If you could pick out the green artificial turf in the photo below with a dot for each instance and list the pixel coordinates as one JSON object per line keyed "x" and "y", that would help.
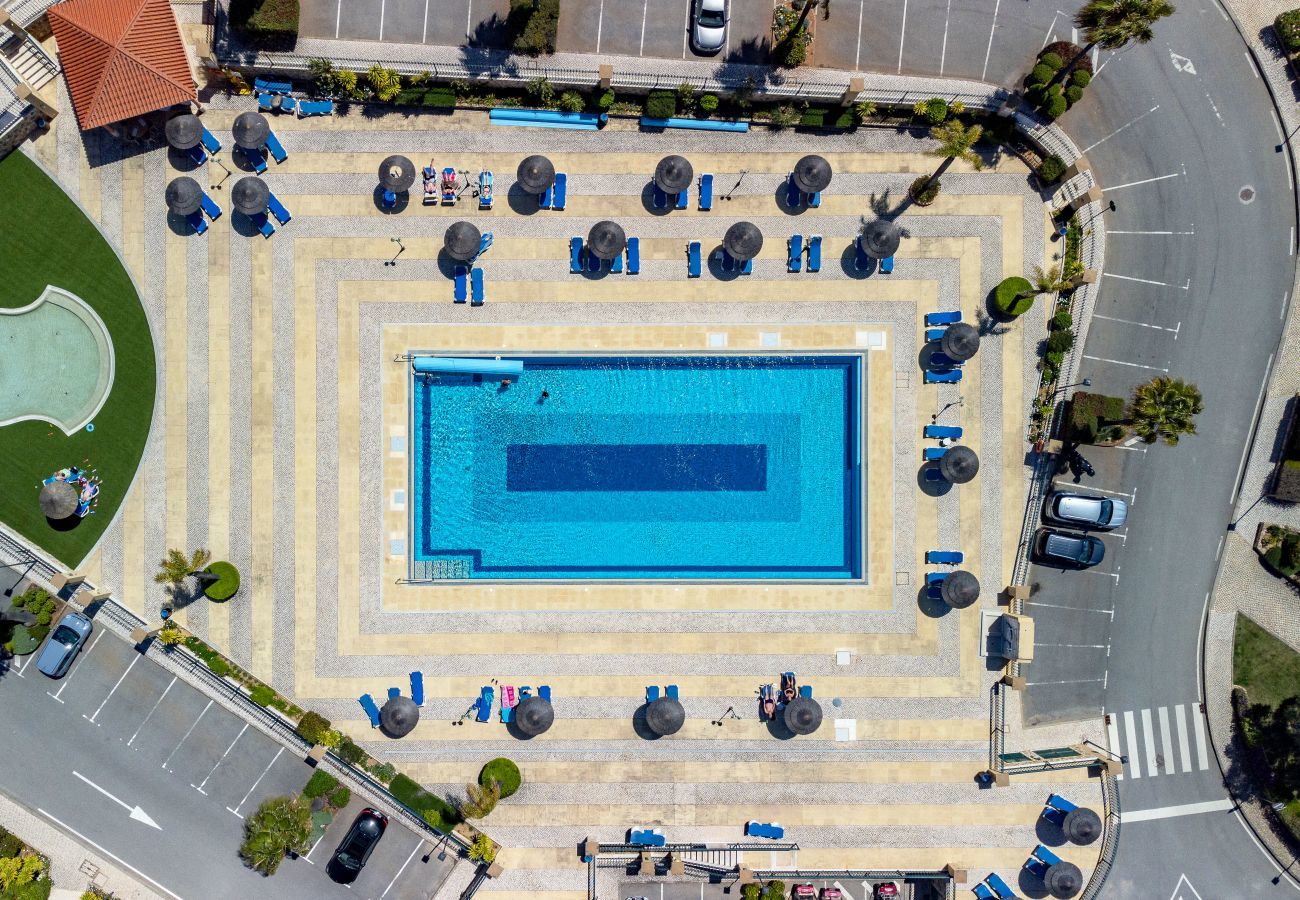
{"x": 45, "y": 239}
{"x": 1268, "y": 669}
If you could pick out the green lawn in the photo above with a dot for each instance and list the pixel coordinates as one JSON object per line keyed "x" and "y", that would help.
{"x": 45, "y": 239}
{"x": 1268, "y": 669}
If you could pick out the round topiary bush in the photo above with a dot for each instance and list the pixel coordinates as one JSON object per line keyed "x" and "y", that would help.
{"x": 1040, "y": 75}
{"x": 921, "y": 194}
{"x": 1056, "y": 104}
{"x": 1080, "y": 78}
{"x": 504, "y": 772}
{"x": 1051, "y": 169}
{"x": 708, "y": 103}
{"x": 227, "y": 583}
{"x": 1070, "y": 52}
{"x": 1073, "y": 94}
{"x": 1053, "y": 61}
{"x": 605, "y": 101}
{"x": 1013, "y": 296}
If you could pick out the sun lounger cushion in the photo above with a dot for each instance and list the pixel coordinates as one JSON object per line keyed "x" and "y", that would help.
{"x": 210, "y": 142}
{"x": 805, "y": 691}
{"x": 953, "y": 375}
{"x": 933, "y": 475}
{"x": 264, "y": 225}
{"x": 693, "y": 259}
{"x": 277, "y": 149}
{"x": 394, "y": 693}
{"x": 815, "y": 253}
{"x": 561, "y": 191}
{"x": 210, "y": 207}
{"x": 861, "y": 261}
{"x": 633, "y": 256}
{"x": 196, "y": 153}
{"x": 747, "y": 267}
{"x": 933, "y": 452}
{"x": 593, "y": 261}
{"x": 683, "y": 198}
{"x": 476, "y": 287}
{"x": 706, "y": 192}
{"x": 616, "y": 264}
{"x": 197, "y": 222}
{"x": 935, "y": 577}
{"x": 273, "y": 87}
{"x": 794, "y": 254}
{"x": 660, "y": 198}
{"x": 942, "y": 318}
{"x": 315, "y": 108}
{"x": 1046, "y": 855}
{"x": 546, "y": 197}
{"x": 934, "y": 334}
{"x": 652, "y": 693}
{"x": 792, "y": 193}
{"x": 389, "y": 199}
{"x": 417, "y": 688}
{"x": 984, "y": 893}
{"x": 1056, "y": 801}
{"x": 672, "y": 692}
{"x": 278, "y": 209}
{"x": 461, "y": 275}
{"x": 944, "y": 557}
{"x": 264, "y": 102}
{"x": 545, "y": 692}
{"x": 887, "y": 265}
{"x": 372, "y": 710}
{"x": 255, "y": 159}
{"x": 575, "y": 255}
{"x": 813, "y": 200}
{"x": 938, "y": 432}
{"x": 1004, "y": 892}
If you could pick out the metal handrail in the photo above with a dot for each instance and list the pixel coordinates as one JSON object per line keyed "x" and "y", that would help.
{"x": 1109, "y": 838}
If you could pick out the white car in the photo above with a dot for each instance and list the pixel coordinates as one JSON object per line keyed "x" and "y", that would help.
{"x": 709, "y": 25}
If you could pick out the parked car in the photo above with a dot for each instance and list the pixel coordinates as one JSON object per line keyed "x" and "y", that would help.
{"x": 62, "y": 647}
{"x": 708, "y": 25}
{"x": 886, "y": 890}
{"x": 1084, "y": 511}
{"x": 830, "y": 893}
{"x": 1065, "y": 548}
{"x": 803, "y": 892}
{"x": 367, "y": 828}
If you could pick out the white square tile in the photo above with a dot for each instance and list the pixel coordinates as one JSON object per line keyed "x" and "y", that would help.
{"x": 397, "y": 445}
{"x": 717, "y": 340}
{"x": 843, "y": 657}
{"x": 846, "y": 729}
{"x": 769, "y": 338}
{"x": 398, "y": 500}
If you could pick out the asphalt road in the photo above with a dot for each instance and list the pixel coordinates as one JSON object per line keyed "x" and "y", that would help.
{"x": 128, "y": 759}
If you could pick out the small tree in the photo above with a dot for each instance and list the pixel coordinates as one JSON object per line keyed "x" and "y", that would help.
{"x": 1113, "y": 24}
{"x": 177, "y": 567}
{"x": 482, "y": 849}
{"x": 1048, "y": 281}
{"x": 480, "y": 800}
{"x": 571, "y": 101}
{"x": 955, "y": 142}
{"x": 386, "y": 83}
{"x": 280, "y": 826}
{"x": 1164, "y": 409}
{"x": 751, "y": 891}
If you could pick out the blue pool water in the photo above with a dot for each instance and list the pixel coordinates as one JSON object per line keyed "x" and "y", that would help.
{"x": 647, "y": 467}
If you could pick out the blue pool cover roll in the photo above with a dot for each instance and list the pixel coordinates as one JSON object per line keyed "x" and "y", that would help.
{"x": 450, "y": 365}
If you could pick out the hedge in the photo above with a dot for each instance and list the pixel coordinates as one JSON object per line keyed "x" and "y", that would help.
{"x": 312, "y": 726}
{"x": 227, "y": 583}
{"x": 1090, "y": 413}
{"x": 661, "y": 105}
{"x": 1051, "y": 169}
{"x": 434, "y": 810}
{"x": 320, "y": 784}
{"x": 1013, "y": 296}
{"x": 1287, "y": 26}
{"x": 504, "y": 772}
{"x": 1056, "y": 104}
{"x": 433, "y": 98}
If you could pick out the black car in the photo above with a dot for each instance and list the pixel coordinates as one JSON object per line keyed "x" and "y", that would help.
{"x": 366, "y": 830}
{"x": 1068, "y": 549}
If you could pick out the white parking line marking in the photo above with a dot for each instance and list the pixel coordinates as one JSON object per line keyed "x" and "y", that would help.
{"x": 1184, "y": 745}
{"x": 1117, "y": 231}
{"x": 943, "y": 52}
{"x": 1139, "y": 280}
{"x": 313, "y": 848}
{"x": 117, "y": 859}
{"x": 1221, "y": 11}
{"x": 1120, "y": 362}
{"x": 1130, "y": 736}
{"x": 857, "y": 59}
{"x": 469, "y": 20}
{"x": 187, "y": 734}
{"x": 402, "y": 869}
{"x": 1198, "y": 727}
{"x": 1132, "y": 121}
{"x": 1173, "y": 331}
{"x": 1099, "y": 490}
{"x": 1047, "y": 37}
{"x": 256, "y": 783}
{"x": 424, "y": 35}
{"x": 1105, "y": 612}
{"x": 902, "y": 36}
{"x": 1149, "y": 741}
{"x": 686, "y": 31}
{"x": 1116, "y": 187}
{"x": 338, "y": 18}
{"x": 151, "y": 712}
{"x": 382, "y": 5}
{"x": 984, "y": 73}
{"x": 199, "y": 787}
{"x": 1250, "y": 60}
{"x": 68, "y": 677}
{"x": 1112, "y": 738}
{"x": 600, "y": 22}
{"x": 1166, "y": 740}
{"x": 96, "y": 713}
{"x": 18, "y": 669}
{"x": 645, "y": 8}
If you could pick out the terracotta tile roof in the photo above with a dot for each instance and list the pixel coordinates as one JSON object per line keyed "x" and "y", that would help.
{"x": 121, "y": 58}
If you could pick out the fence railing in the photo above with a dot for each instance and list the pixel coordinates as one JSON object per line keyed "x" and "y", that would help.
{"x": 1109, "y": 838}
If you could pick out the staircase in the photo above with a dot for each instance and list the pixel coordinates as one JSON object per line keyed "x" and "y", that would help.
{"x": 27, "y": 58}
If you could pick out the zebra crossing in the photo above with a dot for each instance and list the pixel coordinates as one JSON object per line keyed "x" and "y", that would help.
{"x": 1159, "y": 741}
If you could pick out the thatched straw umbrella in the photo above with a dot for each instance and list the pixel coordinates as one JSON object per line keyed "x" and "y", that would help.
{"x": 812, "y": 174}
{"x": 184, "y": 131}
{"x": 58, "y": 500}
{"x": 880, "y": 239}
{"x": 462, "y": 240}
{"x": 1063, "y": 880}
{"x": 183, "y": 195}
{"x": 1082, "y": 826}
{"x": 959, "y": 465}
{"x": 674, "y": 174}
{"x": 742, "y": 241}
{"x": 399, "y": 716}
{"x": 533, "y": 716}
{"x": 535, "y": 174}
{"x": 606, "y": 239}
{"x": 960, "y": 341}
{"x": 250, "y": 130}
{"x": 249, "y": 195}
{"x": 960, "y": 589}
{"x": 803, "y": 715}
{"x": 397, "y": 173}
{"x": 665, "y": 716}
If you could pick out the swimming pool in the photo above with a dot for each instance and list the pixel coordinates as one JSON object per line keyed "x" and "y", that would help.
{"x": 641, "y": 467}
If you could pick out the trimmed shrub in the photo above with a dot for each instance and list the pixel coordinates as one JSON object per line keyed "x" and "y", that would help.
{"x": 708, "y": 103}
{"x": 350, "y": 751}
{"x": 846, "y": 119}
{"x": 1061, "y": 321}
{"x": 503, "y": 772}
{"x": 606, "y": 100}
{"x": 922, "y": 195}
{"x": 1080, "y": 78}
{"x": 1053, "y": 61}
{"x": 1091, "y": 414}
{"x": 571, "y": 101}
{"x": 933, "y": 111}
{"x": 39, "y": 631}
{"x": 813, "y": 118}
{"x": 1056, "y": 104}
{"x": 1287, "y": 26}
{"x": 1060, "y": 341}
{"x": 319, "y": 784}
{"x": 1013, "y": 296}
{"x": 340, "y": 797}
{"x": 262, "y": 695}
{"x": 227, "y": 583}
{"x": 1073, "y": 94}
{"x": 1051, "y": 169}
{"x": 661, "y": 105}
{"x": 1041, "y": 74}
{"x": 434, "y": 810}
{"x": 532, "y": 24}
{"x": 312, "y": 726}
{"x": 10, "y": 846}
{"x": 24, "y": 641}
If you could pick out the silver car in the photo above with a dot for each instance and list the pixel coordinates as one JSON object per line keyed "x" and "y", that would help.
{"x": 1083, "y": 511}
{"x": 708, "y": 25}
{"x": 62, "y": 647}
{"x": 1065, "y": 549}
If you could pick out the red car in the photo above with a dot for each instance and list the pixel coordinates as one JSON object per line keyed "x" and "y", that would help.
{"x": 886, "y": 890}
{"x": 803, "y": 892}
{"x": 830, "y": 894}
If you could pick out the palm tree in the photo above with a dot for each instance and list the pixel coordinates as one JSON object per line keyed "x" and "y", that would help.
{"x": 1163, "y": 409}
{"x": 177, "y": 567}
{"x": 281, "y": 825}
{"x": 955, "y": 142}
{"x": 480, "y": 801}
{"x": 1046, "y": 281}
{"x": 809, "y": 6}
{"x": 1111, "y": 24}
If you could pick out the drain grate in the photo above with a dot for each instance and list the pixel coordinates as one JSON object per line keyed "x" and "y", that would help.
{"x": 1247, "y": 194}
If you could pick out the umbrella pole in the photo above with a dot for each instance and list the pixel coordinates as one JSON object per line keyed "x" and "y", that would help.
{"x": 743, "y": 173}
{"x": 957, "y": 402}
{"x": 401, "y": 248}
{"x": 218, "y": 185}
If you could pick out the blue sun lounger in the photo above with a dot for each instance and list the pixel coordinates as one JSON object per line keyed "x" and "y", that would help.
{"x": 941, "y": 432}
{"x": 561, "y": 192}
{"x": 1003, "y": 891}
{"x": 933, "y": 453}
{"x": 277, "y": 208}
{"x": 772, "y": 830}
{"x": 277, "y": 149}
{"x": 255, "y": 159}
{"x": 683, "y": 198}
{"x": 575, "y": 255}
{"x": 485, "y": 704}
{"x": 262, "y": 85}
{"x": 747, "y": 267}
{"x": 210, "y": 207}
{"x": 633, "y": 256}
{"x": 372, "y": 710}
{"x": 1056, "y": 801}
{"x": 288, "y": 104}
{"x": 660, "y": 200}
{"x": 263, "y": 224}
{"x": 461, "y": 275}
{"x": 417, "y": 688}
{"x": 545, "y": 692}
{"x": 794, "y": 253}
{"x": 933, "y": 475}
{"x": 507, "y": 712}
{"x": 593, "y": 262}
{"x": 813, "y": 200}
{"x": 646, "y": 837}
{"x": 944, "y": 557}
{"x": 210, "y": 142}
{"x": 887, "y": 265}
{"x": 394, "y": 693}
{"x": 861, "y": 261}
{"x": 546, "y": 198}
{"x": 389, "y": 200}
{"x": 308, "y": 108}
{"x": 616, "y": 264}
{"x": 943, "y": 361}
{"x": 652, "y": 693}
{"x": 476, "y": 287}
{"x": 706, "y": 192}
{"x": 196, "y": 153}
{"x": 934, "y": 334}
{"x": 792, "y": 193}
{"x": 264, "y": 102}
{"x": 805, "y": 691}
{"x": 197, "y": 222}
{"x": 672, "y": 692}
{"x": 693, "y": 259}
{"x": 943, "y": 318}
{"x": 815, "y": 253}
{"x": 950, "y": 377}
